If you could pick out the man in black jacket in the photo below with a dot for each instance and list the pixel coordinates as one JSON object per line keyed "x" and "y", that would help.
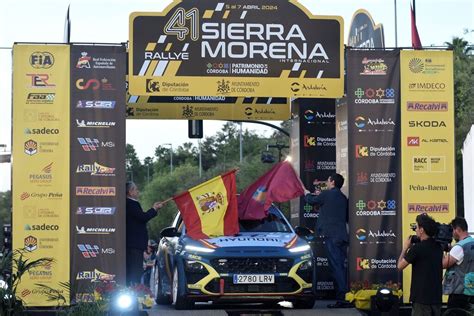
{"x": 331, "y": 224}
{"x": 136, "y": 232}
{"x": 425, "y": 257}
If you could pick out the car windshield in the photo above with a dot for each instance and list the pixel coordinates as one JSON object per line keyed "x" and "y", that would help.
{"x": 272, "y": 223}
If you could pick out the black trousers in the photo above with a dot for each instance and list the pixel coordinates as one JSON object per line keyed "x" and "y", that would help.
{"x": 460, "y": 301}
{"x": 134, "y": 265}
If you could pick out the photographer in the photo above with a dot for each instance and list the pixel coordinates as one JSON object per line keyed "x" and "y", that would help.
{"x": 425, "y": 257}
{"x": 459, "y": 263}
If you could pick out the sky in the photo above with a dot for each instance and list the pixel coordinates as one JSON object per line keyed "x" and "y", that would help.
{"x": 106, "y": 21}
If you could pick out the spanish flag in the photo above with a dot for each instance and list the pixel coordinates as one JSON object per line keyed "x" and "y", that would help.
{"x": 210, "y": 209}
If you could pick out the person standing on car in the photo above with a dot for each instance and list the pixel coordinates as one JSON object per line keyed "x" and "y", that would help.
{"x": 459, "y": 263}
{"x": 136, "y": 232}
{"x": 425, "y": 257}
{"x": 331, "y": 224}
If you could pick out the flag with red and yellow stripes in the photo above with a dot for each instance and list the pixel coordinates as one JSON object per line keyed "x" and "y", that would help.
{"x": 210, "y": 209}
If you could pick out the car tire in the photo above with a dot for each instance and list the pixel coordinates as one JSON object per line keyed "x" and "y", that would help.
{"x": 178, "y": 291}
{"x": 160, "y": 298}
{"x": 304, "y": 304}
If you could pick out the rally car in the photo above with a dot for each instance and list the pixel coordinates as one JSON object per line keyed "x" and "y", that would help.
{"x": 266, "y": 262}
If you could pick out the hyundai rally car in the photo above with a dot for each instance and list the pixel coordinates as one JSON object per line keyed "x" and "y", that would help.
{"x": 266, "y": 262}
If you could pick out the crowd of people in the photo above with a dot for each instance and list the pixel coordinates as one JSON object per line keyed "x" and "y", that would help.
{"x": 426, "y": 256}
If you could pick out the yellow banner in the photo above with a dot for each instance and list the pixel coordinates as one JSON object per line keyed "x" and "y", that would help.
{"x": 208, "y": 108}
{"x": 41, "y": 166}
{"x": 427, "y": 111}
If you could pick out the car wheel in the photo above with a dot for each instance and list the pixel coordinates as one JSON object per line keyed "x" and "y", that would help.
{"x": 160, "y": 298}
{"x": 178, "y": 291}
{"x": 304, "y": 304}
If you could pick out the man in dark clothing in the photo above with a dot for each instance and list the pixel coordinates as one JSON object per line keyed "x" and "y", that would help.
{"x": 425, "y": 257}
{"x": 136, "y": 233}
{"x": 331, "y": 224}
{"x": 459, "y": 265}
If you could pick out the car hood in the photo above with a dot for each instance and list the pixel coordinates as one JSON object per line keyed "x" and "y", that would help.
{"x": 253, "y": 240}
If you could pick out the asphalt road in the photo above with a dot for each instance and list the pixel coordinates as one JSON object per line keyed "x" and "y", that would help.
{"x": 254, "y": 309}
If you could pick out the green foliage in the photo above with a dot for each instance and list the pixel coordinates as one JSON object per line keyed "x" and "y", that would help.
{"x": 464, "y": 104}
{"x": 5, "y": 211}
{"x": 14, "y": 265}
{"x": 165, "y": 186}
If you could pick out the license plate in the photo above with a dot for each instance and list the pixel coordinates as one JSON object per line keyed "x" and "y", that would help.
{"x": 254, "y": 278}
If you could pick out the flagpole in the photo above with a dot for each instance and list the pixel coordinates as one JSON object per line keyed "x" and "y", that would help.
{"x": 396, "y": 28}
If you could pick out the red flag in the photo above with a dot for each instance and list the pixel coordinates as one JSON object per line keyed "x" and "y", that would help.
{"x": 279, "y": 184}
{"x": 415, "y": 38}
{"x": 210, "y": 209}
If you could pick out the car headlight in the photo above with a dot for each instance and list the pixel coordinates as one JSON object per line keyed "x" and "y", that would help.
{"x": 198, "y": 249}
{"x": 300, "y": 248}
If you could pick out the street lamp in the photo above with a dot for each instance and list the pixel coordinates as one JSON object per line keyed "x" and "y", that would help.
{"x": 171, "y": 156}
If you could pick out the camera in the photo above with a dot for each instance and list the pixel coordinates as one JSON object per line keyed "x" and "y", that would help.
{"x": 443, "y": 236}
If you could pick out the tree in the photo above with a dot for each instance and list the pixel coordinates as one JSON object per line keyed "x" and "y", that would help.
{"x": 463, "y": 105}
{"x": 133, "y": 166}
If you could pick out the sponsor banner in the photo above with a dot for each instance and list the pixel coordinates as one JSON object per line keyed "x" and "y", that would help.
{"x": 97, "y": 142}
{"x": 373, "y": 126}
{"x": 40, "y": 172}
{"x": 364, "y": 33}
{"x": 427, "y": 133}
{"x": 208, "y": 108}
{"x": 342, "y": 159}
{"x": 199, "y": 48}
{"x": 317, "y": 152}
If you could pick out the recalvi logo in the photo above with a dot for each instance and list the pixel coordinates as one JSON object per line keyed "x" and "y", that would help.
{"x": 420, "y": 106}
{"x": 428, "y": 207}
{"x": 95, "y": 191}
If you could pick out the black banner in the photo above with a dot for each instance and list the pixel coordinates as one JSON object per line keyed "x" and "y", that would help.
{"x": 373, "y": 98}
{"x": 236, "y": 49}
{"x": 317, "y": 162}
{"x": 97, "y": 169}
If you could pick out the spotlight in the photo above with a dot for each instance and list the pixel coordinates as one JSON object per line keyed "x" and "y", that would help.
{"x": 385, "y": 302}
{"x": 123, "y": 302}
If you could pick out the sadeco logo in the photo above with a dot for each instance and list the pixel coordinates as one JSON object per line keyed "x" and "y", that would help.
{"x": 41, "y": 60}
{"x": 42, "y": 131}
{"x": 41, "y": 227}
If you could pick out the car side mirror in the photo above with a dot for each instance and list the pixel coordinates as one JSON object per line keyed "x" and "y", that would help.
{"x": 169, "y": 232}
{"x": 304, "y": 232}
